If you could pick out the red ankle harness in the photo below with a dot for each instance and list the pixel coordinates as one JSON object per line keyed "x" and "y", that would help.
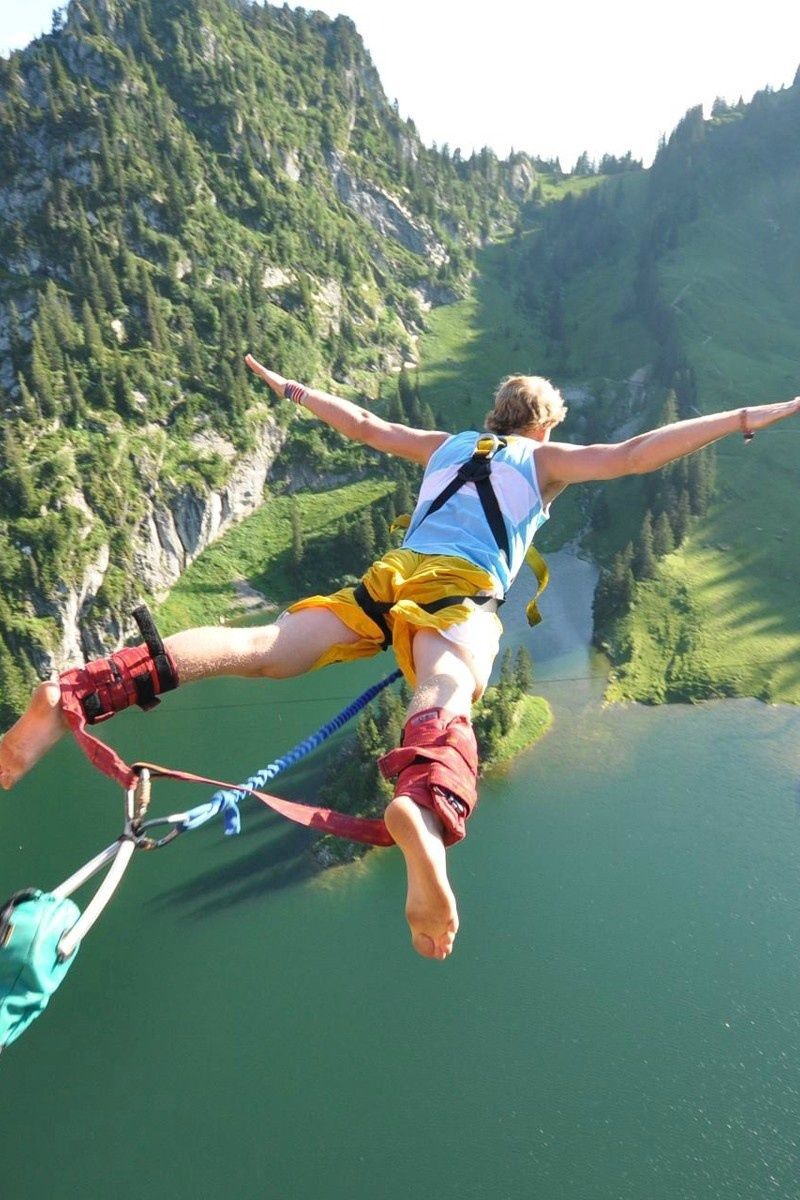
{"x": 133, "y": 675}
{"x": 437, "y": 767}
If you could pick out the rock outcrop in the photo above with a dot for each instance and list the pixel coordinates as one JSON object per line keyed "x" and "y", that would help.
{"x": 387, "y": 215}
{"x": 169, "y": 537}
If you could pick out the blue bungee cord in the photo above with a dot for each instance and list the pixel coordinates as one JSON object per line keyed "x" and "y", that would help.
{"x": 227, "y": 801}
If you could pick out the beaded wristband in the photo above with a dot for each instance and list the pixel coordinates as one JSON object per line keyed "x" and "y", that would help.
{"x": 747, "y": 432}
{"x": 295, "y": 391}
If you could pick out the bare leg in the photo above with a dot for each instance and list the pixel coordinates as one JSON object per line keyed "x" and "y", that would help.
{"x": 288, "y": 647}
{"x": 446, "y": 680}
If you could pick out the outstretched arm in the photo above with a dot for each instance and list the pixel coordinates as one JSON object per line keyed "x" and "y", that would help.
{"x": 353, "y": 421}
{"x": 559, "y": 464}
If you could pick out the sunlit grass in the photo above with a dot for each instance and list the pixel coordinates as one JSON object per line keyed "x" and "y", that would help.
{"x": 258, "y": 552}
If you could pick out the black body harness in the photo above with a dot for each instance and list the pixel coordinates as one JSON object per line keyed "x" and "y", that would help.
{"x": 477, "y": 470}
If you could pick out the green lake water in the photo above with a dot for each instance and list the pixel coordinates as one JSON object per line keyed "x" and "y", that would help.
{"x": 621, "y": 1017}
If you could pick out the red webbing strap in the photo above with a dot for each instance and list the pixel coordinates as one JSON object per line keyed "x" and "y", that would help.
{"x": 99, "y": 754}
{"x": 370, "y": 830}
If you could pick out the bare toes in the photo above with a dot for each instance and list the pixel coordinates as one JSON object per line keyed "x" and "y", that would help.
{"x": 424, "y": 945}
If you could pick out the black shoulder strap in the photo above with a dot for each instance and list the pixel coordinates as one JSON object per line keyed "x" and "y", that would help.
{"x": 478, "y": 470}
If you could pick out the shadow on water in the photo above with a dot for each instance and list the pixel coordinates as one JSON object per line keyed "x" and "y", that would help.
{"x": 281, "y": 863}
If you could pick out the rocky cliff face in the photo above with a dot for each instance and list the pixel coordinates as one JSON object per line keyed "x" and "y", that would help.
{"x": 169, "y": 537}
{"x": 387, "y": 215}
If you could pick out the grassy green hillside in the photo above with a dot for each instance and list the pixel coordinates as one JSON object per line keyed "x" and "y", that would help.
{"x": 723, "y": 617}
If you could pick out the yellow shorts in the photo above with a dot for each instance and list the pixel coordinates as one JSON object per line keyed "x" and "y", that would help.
{"x": 407, "y": 580}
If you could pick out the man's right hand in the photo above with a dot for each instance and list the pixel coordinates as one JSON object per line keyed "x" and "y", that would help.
{"x": 275, "y": 381}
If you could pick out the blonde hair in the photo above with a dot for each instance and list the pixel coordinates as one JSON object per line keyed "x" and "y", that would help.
{"x": 523, "y": 400}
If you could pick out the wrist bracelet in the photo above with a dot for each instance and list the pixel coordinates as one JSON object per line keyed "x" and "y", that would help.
{"x": 295, "y": 391}
{"x": 747, "y": 432}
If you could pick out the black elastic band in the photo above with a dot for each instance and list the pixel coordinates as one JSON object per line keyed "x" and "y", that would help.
{"x": 167, "y": 679}
{"x": 145, "y": 691}
{"x": 92, "y": 707}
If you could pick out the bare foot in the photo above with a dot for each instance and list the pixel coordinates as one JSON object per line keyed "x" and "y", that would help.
{"x": 430, "y": 905}
{"x": 39, "y": 728}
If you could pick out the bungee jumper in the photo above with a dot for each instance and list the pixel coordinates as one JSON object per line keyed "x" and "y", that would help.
{"x": 435, "y": 600}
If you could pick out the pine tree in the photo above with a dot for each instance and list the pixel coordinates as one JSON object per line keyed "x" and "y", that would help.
{"x": 402, "y": 497}
{"x": 504, "y": 710}
{"x": 30, "y": 409}
{"x": 88, "y": 286}
{"x": 405, "y": 389}
{"x": 42, "y": 380}
{"x": 623, "y": 579}
{"x": 669, "y": 412}
{"x": 663, "y": 538}
{"x": 298, "y": 541}
{"x": 383, "y": 541}
{"x": 427, "y": 419}
{"x": 415, "y": 416}
{"x": 15, "y": 343}
{"x": 107, "y": 281}
{"x": 602, "y": 604}
{"x": 17, "y": 489}
{"x": 644, "y": 562}
{"x": 507, "y": 682}
{"x": 46, "y": 343}
{"x": 396, "y": 413}
{"x": 700, "y": 482}
{"x": 364, "y": 538}
{"x": 75, "y": 396}
{"x": 128, "y": 269}
{"x": 155, "y": 322}
{"x": 679, "y": 519}
{"x": 389, "y": 510}
{"x": 92, "y": 337}
{"x": 523, "y": 671}
{"x": 192, "y": 363}
{"x": 123, "y": 398}
{"x": 370, "y": 742}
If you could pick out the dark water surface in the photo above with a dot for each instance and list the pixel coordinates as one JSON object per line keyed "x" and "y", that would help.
{"x": 621, "y": 1018}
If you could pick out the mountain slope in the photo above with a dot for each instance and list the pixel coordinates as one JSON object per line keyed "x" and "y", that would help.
{"x": 696, "y": 276}
{"x": 181, "y": 181}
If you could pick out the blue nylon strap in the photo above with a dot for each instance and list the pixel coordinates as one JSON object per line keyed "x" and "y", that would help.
{"x": 227, "y": 801}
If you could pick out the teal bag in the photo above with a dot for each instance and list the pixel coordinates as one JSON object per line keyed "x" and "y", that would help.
{"x": 32, "y": 924}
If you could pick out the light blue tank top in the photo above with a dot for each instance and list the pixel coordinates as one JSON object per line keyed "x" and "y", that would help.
{"x": 459, "y": 527}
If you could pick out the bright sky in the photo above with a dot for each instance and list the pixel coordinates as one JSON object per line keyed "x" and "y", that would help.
{"x": 553, "y": 79}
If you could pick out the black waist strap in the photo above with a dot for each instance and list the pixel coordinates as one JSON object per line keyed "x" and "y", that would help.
{"x": 376, "y": 609}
